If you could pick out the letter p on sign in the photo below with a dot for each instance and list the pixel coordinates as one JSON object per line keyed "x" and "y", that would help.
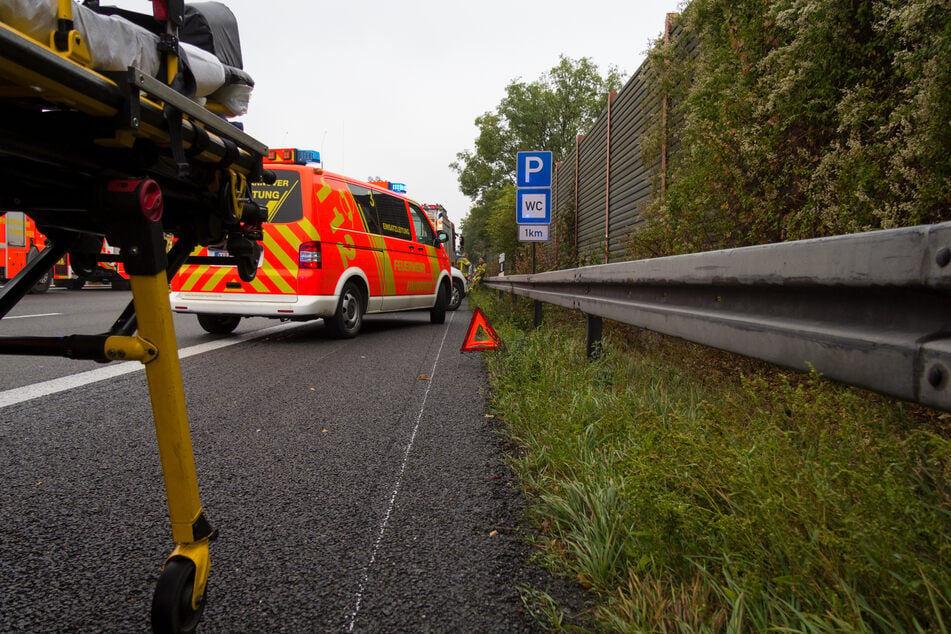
{"x": 533, "y": 165}
{"x": 533, "y": 169}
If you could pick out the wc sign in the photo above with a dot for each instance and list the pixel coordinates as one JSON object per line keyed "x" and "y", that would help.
{"x": 534, "y": 206}
{"x": 533, "y": 196}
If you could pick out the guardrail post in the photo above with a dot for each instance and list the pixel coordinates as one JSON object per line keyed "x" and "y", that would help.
{"x": 537, "y": 320}
{"x": 594, "y": 337}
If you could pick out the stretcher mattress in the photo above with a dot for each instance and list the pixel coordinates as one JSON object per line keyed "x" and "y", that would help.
{"x": 116, "y": 43}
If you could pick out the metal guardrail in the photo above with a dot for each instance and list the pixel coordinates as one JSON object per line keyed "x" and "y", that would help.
{"x": 871, "y": 310}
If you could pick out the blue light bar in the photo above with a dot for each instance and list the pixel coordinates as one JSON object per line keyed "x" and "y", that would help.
{"x": 399, "y": 188}
{"x": 308, "y": 156}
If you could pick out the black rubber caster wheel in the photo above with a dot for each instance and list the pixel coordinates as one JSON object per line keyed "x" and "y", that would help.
{"x": 172, "y": 610}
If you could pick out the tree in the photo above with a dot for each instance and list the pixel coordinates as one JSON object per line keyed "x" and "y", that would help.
{"x": 546, "y": 114}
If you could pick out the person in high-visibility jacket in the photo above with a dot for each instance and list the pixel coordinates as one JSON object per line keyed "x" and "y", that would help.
{"x": 478, "y": 273}
{"x": 464, "y": 265}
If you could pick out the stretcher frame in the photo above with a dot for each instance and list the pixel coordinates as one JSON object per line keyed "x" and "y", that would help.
{"x": 125, "y": 156}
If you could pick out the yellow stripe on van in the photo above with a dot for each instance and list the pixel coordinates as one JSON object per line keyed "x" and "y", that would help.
{"x": 347, "y": 253}
{"x": 192, "y": 278}
{"x": 389, "y": 279}
{"x": 434, "y": 264}
{"x": 324, "y": 191}
{"x": 309, "y": 229}
{"x": 214, "y": 283}
{"x": 190, "y": 274}
{"x": 281, "y": 283}
{"x": 283, "y": 256}
{"x": 258, "y": 284}
{"x": 275, "y": 275}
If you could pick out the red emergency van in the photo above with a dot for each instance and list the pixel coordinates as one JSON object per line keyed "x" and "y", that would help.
{"x": 20, "y": 242}
{"x": 334, "y": 248}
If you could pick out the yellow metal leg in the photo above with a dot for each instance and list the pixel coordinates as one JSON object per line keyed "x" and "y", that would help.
{"x": 189, "y": 530}
{"x": 150, "y": 295}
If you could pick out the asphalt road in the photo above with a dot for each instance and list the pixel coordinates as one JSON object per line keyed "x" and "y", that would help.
{"x": 357, "y": 485}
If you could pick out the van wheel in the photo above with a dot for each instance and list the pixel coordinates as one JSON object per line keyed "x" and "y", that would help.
{"x": 347, "y": 320}
{"x": 455, "y": 298}
{"x": 43, "y": 284}
{"x": 438, "y": 313}
{"x": 218, "y": 324}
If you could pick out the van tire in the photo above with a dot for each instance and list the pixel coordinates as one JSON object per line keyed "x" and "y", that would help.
{"x": 348, "y": 318}
{"x": 438, "y": 313}
{"x": 218, "y": 324}
{"x": 43, "y": 284}
{"x": 455, "y": 298}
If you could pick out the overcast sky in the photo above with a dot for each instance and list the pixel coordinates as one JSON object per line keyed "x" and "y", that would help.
{"x": 392, "y": 89}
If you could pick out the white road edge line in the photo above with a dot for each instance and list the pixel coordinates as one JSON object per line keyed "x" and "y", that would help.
{"x": 53, "y": 386}
{"x": 399, "y": 482}
{"x": 31, "y": 316}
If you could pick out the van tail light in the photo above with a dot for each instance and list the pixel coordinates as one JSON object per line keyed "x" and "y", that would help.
{"x": 309, "y": 256}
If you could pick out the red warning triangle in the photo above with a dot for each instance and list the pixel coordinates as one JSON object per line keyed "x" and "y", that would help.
{"x": 480, "y": 335}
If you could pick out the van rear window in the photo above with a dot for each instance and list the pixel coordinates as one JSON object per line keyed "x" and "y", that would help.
{"x": 282, "y": 197}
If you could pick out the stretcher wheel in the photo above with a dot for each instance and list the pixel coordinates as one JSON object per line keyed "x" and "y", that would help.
{"x": 172, "y": 610}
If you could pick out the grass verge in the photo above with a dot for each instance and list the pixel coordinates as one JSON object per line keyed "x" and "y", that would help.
{"x": 695, "y": 491}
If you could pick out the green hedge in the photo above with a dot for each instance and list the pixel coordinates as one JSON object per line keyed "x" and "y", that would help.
{"x": 795, "y": 119}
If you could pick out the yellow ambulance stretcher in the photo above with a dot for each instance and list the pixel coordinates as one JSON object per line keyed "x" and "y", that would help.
{"x": 112, "y": 124}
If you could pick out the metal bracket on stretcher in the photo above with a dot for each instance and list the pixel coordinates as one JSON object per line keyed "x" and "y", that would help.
{"x": 125, "y": 156}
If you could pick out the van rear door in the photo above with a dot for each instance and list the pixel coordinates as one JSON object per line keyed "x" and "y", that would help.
{"x": 276, "y": 278}
{"x": 287, "y": 227}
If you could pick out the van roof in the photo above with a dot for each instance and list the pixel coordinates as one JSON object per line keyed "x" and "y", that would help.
{"x": 348, "y": 179}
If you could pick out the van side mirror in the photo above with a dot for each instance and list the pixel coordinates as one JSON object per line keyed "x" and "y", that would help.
{"x": 442, "y": 236}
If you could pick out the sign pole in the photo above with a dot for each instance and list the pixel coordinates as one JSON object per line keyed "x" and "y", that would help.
{"x": 536, "y": 305}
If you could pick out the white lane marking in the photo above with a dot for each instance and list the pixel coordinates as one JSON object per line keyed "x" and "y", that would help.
{"x": 399, "y": 482}
{"x": 31, "y": 316}
{"x": 53, "y": 386}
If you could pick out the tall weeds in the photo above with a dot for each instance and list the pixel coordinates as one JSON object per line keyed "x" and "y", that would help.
{"x": 727, "y": 502}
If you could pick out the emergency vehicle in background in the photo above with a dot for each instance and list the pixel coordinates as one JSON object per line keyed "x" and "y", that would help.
{"x": 334, "y": 248}
{"x": 460, "y": 285}
{"x": 399, "y": 188}
{"x": 440, "y": 219}
{"x": 74, "y": 271}
{"x": 20, "y": 242}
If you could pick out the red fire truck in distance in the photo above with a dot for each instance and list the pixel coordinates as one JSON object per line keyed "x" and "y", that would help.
{"x": 20, "y": 242}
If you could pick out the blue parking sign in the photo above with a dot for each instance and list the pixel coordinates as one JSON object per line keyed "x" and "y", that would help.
{"x": 533, "y": 169}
